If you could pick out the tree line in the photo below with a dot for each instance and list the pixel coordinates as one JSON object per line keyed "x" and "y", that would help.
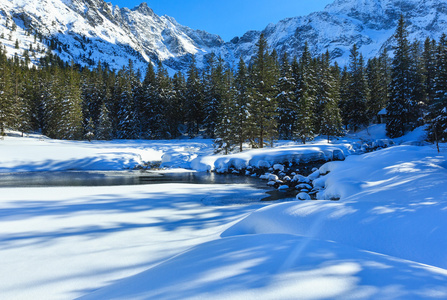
{"x": 270, "y": 98}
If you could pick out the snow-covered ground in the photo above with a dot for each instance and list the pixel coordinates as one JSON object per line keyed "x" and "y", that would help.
{"x": 384, "y": 239}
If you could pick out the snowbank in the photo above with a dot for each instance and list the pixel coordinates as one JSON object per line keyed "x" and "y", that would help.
{"x": 37, "y": 153}
{"x": 269, "y": 157}
{"x": 392, "y": 202}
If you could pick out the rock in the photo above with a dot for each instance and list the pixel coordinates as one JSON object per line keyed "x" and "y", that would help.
{"x": 271, "y": 183}
{"x": 303, "y": 196}
{"x": 273, "y": 177}
{"x": 287, "y": 178}
{"x": 303, "y": 186}
{"x": 283, "y": 187}
{"x": 300, "y": 179}
{"x": 278, "y": 167}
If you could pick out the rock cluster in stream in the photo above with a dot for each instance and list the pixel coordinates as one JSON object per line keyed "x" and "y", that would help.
{"x": 297, "y": 179}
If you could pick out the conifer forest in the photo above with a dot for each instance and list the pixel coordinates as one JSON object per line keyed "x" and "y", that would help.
{"x": 271, "y": 97}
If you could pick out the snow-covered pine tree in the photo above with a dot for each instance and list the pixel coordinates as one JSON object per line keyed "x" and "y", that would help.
{"x": 265, "y": 76}
{"x": 429, "y": 69}
{"x": 212, "y": 89}
{"x": 104, "y": 125}
{"x": 126, "y": 114}
{"x": 147, "y": 99}
{"x": 177, "y": 112}
{"x": 194, "y": 100}
{"x": 358, "y": 92}
{"x": 227, "y": 126}
{"x": 242, "y": 104}
{"x": 159, "y": 123}
{"x": 305, "y": 96}
{"x": 7, "y": 113}
{"x": 398, "y": 108}
{"x": 438, "y": 108}
{"x": 327, "y": 96}
{"x": 72, "y": 122}
{"x": 287, "y": 104}
{"x": 418, "y": 94}
{"x": 378, "y": 85}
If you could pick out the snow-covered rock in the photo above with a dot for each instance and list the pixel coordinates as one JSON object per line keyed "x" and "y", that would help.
{"x": 278, "y": 167}
{"x": 303, "y": 196}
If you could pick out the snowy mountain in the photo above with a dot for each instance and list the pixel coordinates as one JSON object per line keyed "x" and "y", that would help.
{"x": 87, "y": 31}
{"x": 368, "y": 23}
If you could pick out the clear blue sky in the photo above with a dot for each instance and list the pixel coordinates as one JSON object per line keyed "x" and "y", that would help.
{"x": 228, "y": 18}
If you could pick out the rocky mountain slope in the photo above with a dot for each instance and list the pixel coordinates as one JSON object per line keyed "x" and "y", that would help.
{"x": 87, "y": 31}
{"x": 90, "y": 30}
{"x": 368, "y": 23}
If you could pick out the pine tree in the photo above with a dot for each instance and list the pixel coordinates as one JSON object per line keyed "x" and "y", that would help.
{"x": 287, "y": 104}
{"x": 358, "y": 92}
{"x": 126, "y": 127}
{"x": 242, "y": 105}
{"x": 430, "y": 68}
{"x": 438, "y": 107}
{"x": 305, "y": 95}
{"x": 159, "y": 123}
{"x": 327, "y": 96}
{"x": 265, "y": 77}
{"x": 72, "y": 127}
{"x": 7, "y": 113}
{"x": 104, "y": 127}
{"x": 178, "y": 107}
{"x": 194, "y": 100}
{"x": 147, "y": 99}
{"x": 378, "y": 85}
{"x": 399, "y": 106}
{"x": 226, "y": 127}
{"x": 213, "y": 82}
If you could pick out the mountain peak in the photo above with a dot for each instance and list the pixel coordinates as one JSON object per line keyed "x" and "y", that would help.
{"x": 144, "y": 9}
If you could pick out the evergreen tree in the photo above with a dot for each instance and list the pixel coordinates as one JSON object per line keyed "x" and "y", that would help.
{"x": 213, "y": 86}
{"x": 305, "y": 95}
{"x": 287, "y": 104}
{"x": 126, "y": 127}
{"x": 7, "y": 113}
{"x": 399, "y": 105}
{"x": 148, "y": 101}
{"x": 194, "y": 100}
{"x": 159, "y": 123}
{"x": 242, "y": 104}
{"x": 104, "y": 127}
{"x": 378, "y": 85}
{"x": 430, "y": 68}
{"x": 327, "y": 96}
{"x": 358, "y": 92}
{"x": 177, "y": 112}
{"x": 226, "y": 127}
{"x": 265, "y": 77}
{"x": 438, "y": 107}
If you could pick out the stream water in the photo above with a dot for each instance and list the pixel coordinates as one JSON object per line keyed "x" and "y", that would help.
{"x": 113, "y": 178}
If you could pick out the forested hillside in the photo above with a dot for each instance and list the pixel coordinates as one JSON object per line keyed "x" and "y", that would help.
{"x": 270, "y": 98}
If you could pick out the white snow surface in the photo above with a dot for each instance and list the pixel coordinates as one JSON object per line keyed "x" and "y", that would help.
{"x": 384, "y": 239}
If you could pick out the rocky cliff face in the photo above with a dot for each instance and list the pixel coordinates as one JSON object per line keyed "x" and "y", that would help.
{"x": 87, "y": 31}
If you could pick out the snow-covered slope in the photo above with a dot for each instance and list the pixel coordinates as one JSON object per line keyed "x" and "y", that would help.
{"x": 368, "y": 23}
{"x": 87, "y": 31}
{"x": 91, "y": 30}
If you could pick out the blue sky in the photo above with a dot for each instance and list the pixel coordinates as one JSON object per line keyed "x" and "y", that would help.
{"x": 229, "y": 18}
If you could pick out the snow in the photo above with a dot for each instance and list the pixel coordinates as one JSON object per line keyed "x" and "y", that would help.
{"x": 383, "y": 239}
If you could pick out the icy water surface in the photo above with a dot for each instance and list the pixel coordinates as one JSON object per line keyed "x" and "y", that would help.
{"x": 108, "y": 178}
{"x": 112, "y": 178}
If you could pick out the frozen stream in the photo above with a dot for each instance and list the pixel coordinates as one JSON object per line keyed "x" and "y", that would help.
{"x": 116, "y": 178}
